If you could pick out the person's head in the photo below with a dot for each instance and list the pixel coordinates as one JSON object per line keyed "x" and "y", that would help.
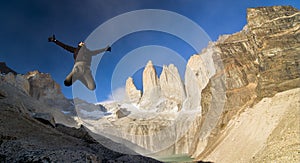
{"x": 81, "y": 44}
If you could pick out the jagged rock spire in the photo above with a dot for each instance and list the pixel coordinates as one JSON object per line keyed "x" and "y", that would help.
{"x": 133, "y": 94}
{"x": 164, "y": 93}
{"x": 150, "y": 79}
{"x": 171, "y": 84}
{"x": 151, "y": 87}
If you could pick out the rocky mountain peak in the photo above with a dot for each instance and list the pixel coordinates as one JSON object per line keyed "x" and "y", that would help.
{"x": 39, "y": 86}
{"x": 151, "y": 87}
{"x": 42, "y": 85}
{"x": 164, "y": 93}
{"x": 150, "y": 79}
{"x": 133, "y": 94}
{"x": 171, "y": 84}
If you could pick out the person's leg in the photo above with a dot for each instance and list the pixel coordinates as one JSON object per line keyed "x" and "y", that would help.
{"x": 70, "y": 79}
{"x": 88, "y": 80}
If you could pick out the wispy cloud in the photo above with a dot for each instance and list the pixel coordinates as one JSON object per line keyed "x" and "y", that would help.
{"x": 118, "y": 94}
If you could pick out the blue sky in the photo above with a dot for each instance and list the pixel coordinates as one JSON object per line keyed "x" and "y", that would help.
{"x": 26, "y": 25}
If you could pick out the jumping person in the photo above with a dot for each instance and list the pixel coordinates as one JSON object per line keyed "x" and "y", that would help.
{"x": 83, "y": 58}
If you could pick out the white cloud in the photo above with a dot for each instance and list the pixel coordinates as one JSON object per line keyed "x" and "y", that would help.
{"x": 118, "y": 94}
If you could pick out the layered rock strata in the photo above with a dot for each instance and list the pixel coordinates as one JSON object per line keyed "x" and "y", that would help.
{"x": 260, "y": 61}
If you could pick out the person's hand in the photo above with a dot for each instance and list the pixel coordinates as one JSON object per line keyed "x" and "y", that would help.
{"x": 108, "y": 48}
{"x": 51, "y": 38}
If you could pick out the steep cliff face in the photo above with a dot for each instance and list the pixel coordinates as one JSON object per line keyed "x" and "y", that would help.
{"x": 275, "y": 31}
{"x": 253, "y": 64}
{"x": 151, "y": 87}
{"x": 171, "y": 85}
{"x": 260, "y": 61}
{"x": 196, "y": 78}
{"x": 263, "y": 57}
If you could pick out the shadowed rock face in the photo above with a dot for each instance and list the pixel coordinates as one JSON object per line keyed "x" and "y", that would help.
{"x": 5, "y": 70}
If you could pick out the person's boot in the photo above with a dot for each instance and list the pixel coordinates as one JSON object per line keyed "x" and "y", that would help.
{"x": 108, "y": 49}
{"x": 68, "y": 82}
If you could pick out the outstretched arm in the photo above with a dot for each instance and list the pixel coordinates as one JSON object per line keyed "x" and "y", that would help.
{"x": 95, "y": 52}
{"x": 66, "y": 47}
